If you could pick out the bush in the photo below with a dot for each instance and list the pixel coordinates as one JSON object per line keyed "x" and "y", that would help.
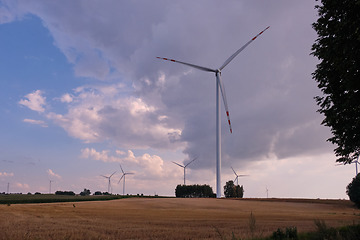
{"x": 86, "y": 192}
{"x": 233, "y": 191}
{"x": 290, "y": 233}
{"x": 353, "y": 190}
{"x": 194, "y": 191}
{"x": 67, "y": 193}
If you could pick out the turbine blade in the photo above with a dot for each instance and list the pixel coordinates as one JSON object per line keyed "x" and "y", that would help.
{"x": 240, "y": 50}
{"x": 222, "y": 88}
{"x": 236, "y": 178}
{"x": 104, "y": 176}
{"x": 121, "y": 178}
{"x": 178, "y": 164}
{"x": 112, "y": 174}
{"x": 121, "y": 168}
{"x": 191, "y": 161}
{"x": 189, "y": 64}
{"x": 234, "y": 171}
{"x": 129, "y": 173}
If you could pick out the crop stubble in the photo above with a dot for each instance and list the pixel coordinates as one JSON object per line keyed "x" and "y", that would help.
{"x": 169, "y": 218}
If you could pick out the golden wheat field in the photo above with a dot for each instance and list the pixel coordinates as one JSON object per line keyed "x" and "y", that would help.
{"x": 169, "y": 218}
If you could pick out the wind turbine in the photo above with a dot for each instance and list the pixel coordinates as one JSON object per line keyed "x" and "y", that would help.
{"x": 219, "y": 87}
{"x": 184, "y": 166}
{"x": 267, "y": 192}
{"x": 237, "y": 176}
{"x": 356, "y": 164}
{"x": 123, "y": 176}
{"x": 109, "y": 179}
{"x": 50, "y": 186}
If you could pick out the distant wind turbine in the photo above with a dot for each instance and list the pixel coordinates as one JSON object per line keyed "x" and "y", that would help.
{"x": 356, "y": 164}
{"x": 237, "y": 176}
{"x": 123, "y": 176}
{"x": 184, "y": 166}
{"x": 109, "y": 180}
{"x": 219, "y": 88}
{"x": 50, "y": 186}
{"x": 267, "y": 192}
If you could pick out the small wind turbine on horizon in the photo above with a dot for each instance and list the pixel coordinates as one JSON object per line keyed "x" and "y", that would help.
{"x": 109, "y": 180}
{"x": 184, "y": 166}
{"x": 267, "y": 192}
{"x": 219, "y": 88}
{"x": 124, "y": 176}
{"x": 237, "y": 176}
{"x": 51, "y": 181}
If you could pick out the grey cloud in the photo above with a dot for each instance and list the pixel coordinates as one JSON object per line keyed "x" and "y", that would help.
{"x": 269, "y": 86}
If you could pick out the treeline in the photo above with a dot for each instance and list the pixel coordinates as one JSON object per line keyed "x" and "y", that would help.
{"x": 67, "y": 193}
{"x": 194, "y": 191}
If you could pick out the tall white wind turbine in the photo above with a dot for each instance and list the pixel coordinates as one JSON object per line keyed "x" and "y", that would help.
{"x": 51, "y": 181}
{"x": 123, "y": 176}
{"x": 109, "y": 180}
{"x": 219, "y": 88}
{"x": 184, "y": 166}
{"x": 356, "y": 164}
{"x": 237, "y": 176}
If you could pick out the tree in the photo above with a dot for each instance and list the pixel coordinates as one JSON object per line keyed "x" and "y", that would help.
{"x": 353, "y": 190}
{"x": 338, "y": 73}
{"x": 233, "y": 191}
{"x": 191, "y": 191}
{"x": 86, "y": 192}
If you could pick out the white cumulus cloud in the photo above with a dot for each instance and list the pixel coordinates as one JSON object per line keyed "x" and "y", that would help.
{"x": 36, "y": 122}
{"x": 35, "y": 101}
{"x": 51, "y": 173}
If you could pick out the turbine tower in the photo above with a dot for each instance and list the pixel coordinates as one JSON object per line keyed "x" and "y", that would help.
{"x": 123, "y": 176}
{"x": 237, "y": 176}
{"x": 356, "y": 164}
{"x": 219, "y": 88}
{"x": 50, "y": 186}
{"x": 109, "y": 179}
{"x": 184, "y": 166}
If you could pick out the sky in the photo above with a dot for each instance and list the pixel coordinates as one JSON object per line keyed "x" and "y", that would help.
{"x": 82, "y": 91}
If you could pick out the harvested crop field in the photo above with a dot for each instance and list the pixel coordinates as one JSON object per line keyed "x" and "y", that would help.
{"x": 169, "y": 218}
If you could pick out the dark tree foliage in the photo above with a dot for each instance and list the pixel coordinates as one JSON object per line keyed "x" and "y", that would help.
{"x": 338, "y": 73}
{"x": 353, "y": 190}
{"x": 86, "y": 192}
{"x": 194, "y": 191}
{"x": 68, "y": 193}
{"x": 233, "y": 191}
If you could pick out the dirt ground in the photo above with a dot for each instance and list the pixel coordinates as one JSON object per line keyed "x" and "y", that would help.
{"x": 169, "y": 218}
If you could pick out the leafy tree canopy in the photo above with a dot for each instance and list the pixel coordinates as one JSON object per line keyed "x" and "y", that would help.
{"x": 353, "y": 190}
{"x": 233, "y": 191}
{"x": 338, "y": 73}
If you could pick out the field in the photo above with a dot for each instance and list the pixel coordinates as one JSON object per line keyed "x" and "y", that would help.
{"x": 169, "y": 218}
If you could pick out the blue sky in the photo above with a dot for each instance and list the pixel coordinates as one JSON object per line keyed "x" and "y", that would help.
{"x": 82, "y": 91}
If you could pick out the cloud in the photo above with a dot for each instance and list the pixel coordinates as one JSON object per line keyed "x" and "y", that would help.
{"x": 6, "y": 174}
{"x": 148, "y": 166}
{"x": 66, "y": 98}
{"x": 36, "y": 122}
{"x": 168, "y": 106}
{"x": 99, "y": 113}
{"x": 35, "y": 101}
{"x": 22, "y": 186}
{"x": 52, "y": 174}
